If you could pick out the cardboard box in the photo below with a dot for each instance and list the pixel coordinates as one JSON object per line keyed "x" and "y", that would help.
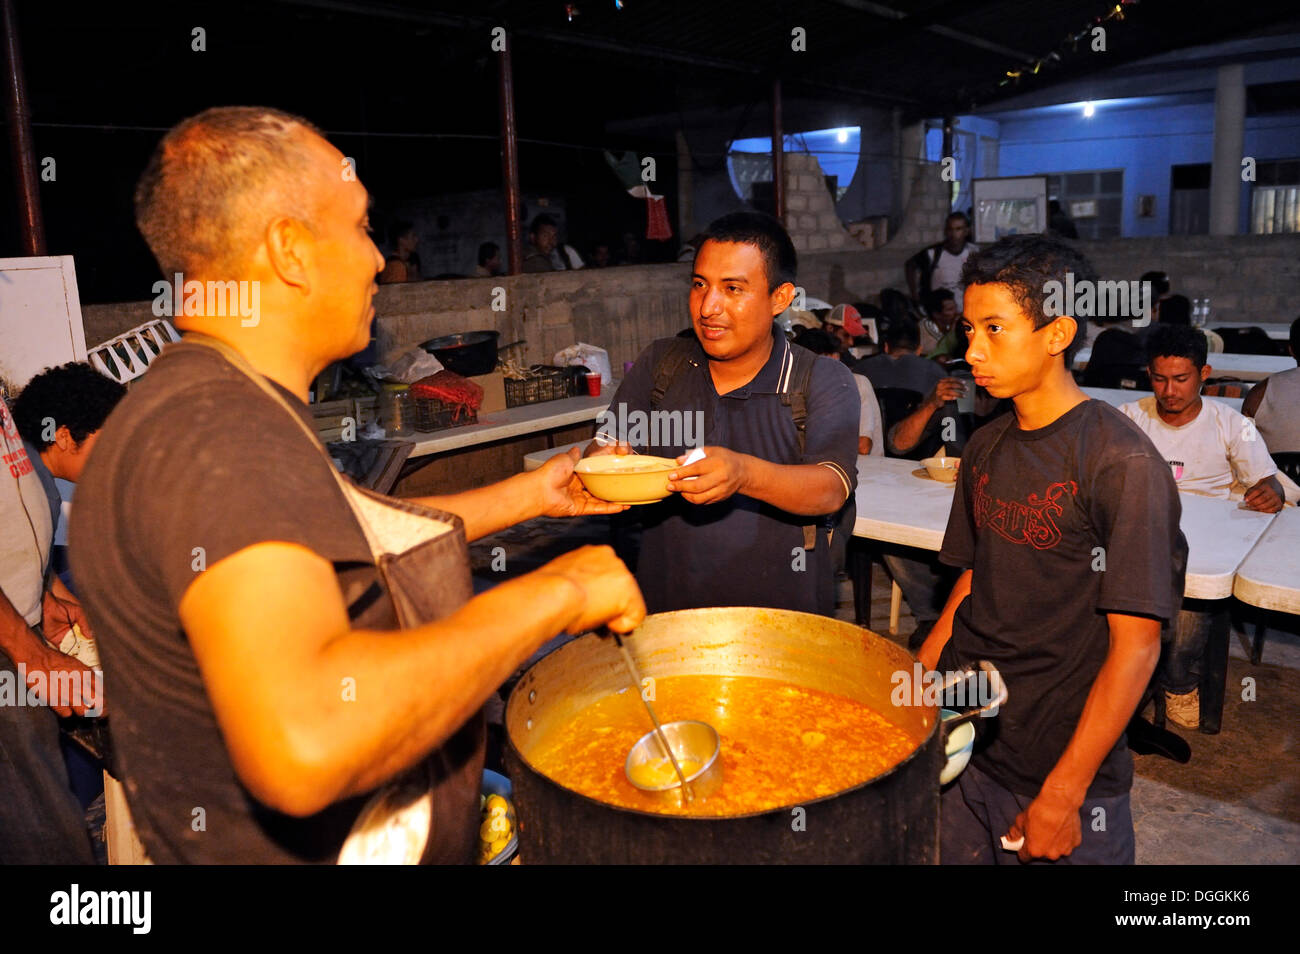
{"x": 494, "y": 391}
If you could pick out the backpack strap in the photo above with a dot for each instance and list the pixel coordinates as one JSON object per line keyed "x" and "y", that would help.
{"x": 676, "y": 357}
{"x": 794, "y": 386}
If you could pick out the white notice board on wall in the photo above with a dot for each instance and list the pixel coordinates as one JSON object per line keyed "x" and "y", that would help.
{"x": 40, "y": 317}
{"x": 1014, "y": 205}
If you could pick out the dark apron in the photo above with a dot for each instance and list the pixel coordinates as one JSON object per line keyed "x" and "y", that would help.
{"x": 428, "y": 582}
{"x": 425, "y": 583}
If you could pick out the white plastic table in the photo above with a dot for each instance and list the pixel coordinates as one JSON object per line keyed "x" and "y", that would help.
{"x": 1220, "y": 534}
{"x": 1278, "y": 331}
{"x": 1247, "y": 367}
{"x": 1269, "y": 577}
{"x": 896, "y": 507}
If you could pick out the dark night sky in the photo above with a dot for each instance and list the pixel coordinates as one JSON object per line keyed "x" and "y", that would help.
{"x": 416, "y": 103}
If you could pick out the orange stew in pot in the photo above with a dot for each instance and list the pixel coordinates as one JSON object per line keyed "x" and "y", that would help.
{"x": 781, "y": 743}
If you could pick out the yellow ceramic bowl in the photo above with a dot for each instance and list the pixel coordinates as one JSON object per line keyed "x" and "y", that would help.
{"x": 628, "y": 479}
{"x": 942, "y": 468}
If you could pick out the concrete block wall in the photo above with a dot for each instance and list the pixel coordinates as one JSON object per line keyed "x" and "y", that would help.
{"x": 811, "y": 219}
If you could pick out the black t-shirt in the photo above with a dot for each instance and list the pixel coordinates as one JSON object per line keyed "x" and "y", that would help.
{"x": 195, "y": 464}
{"x": 740, "y": 551}
{"x": 1060, "y": 525}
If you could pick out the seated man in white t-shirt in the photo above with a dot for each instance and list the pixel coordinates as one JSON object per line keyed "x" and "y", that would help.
{"x": 1212, "y": 450}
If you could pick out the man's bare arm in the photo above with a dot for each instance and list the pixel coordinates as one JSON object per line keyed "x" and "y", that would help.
{"x": 941, "y": 632}
{"x": 1254, "y": 399}
{"x": 313, "y": 711}
{"x": 911, "y": 430}
{"x": 552, "y": 490}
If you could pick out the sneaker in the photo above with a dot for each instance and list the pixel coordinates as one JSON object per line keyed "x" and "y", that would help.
{"x": 1184, "y": 709}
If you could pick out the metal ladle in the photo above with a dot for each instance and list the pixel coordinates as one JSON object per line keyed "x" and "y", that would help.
{"x": 659, "y": 732}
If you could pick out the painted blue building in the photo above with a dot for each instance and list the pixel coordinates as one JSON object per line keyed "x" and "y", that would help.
{"x": 1130, "y": 152}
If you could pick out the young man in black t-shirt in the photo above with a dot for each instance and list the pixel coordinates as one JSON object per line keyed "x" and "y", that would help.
{"x": 1065, "y": 521}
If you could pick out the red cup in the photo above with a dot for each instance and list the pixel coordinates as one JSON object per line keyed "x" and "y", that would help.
{"x": 593, "y": 383}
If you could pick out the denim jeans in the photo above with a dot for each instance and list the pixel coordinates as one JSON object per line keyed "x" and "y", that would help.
{"x": 1181, "y": 654}
{"x": 40, "y": 820}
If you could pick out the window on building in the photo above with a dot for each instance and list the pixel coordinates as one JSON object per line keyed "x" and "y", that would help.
{"x": 1094, "y": 201}
{"x": 1275, "y": 199}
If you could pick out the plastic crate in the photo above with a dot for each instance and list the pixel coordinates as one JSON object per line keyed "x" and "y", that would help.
{"x": 434, "y": 415}
{"x": 547, "y": 386}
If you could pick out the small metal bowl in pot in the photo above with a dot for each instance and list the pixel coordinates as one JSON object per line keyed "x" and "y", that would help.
{"x": 697, "y": 743}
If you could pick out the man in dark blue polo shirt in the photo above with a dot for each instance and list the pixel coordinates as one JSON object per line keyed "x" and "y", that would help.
{"x": 749, "y": 524}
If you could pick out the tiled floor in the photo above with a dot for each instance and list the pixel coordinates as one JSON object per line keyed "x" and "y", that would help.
{"x": 1236, "y": 802}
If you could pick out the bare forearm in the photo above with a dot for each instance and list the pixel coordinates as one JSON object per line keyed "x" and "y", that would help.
{"x": 806, "y": 489}
{"x": 1115, "y": 693}
{"x": 908, "y": 432}
{"x": 17, "y": 639}
{"x": 489, "y": 509}
{"x": 941, "y": 632}
{"x": 388, "y": 721}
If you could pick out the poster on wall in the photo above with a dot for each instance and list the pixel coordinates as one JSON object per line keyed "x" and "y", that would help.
{"x": 1015, "y": 205}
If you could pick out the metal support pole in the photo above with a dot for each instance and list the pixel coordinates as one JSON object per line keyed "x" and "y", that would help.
{"x": 778, "y": 153}
{"x": 510, "y": 162}
{"x": 20, "y": 138}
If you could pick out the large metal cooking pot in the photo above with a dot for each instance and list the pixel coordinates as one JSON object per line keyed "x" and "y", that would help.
{"x": 468, "y": 353}
{"x": 892, "y": 818}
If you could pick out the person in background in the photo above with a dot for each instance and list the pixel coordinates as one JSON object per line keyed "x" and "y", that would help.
{"x": 687, "y": 253}
{"x": 1161, "y": 290}
{"x": 1058, "y": 223}
{"x": 940, "y": 265}
{"x": 543, "y": 237}
{"x": 489, "y": 261}
{"x": 59, "y": 415}
{"x": 599, "y": 257}
{"x": 630, "y": 254}
{"x": 1210, "y": 450}
{"x": 40, "y": 821}
{"x": 402, "y": 264}
{"x": 870, "y": 433}
{"x": 940, "y": 339}
{"x": 899, "y": 364}
{"x": 1274, "y": 403}
{"x": 844, "y": 326}
{"x": 546, "y": 253}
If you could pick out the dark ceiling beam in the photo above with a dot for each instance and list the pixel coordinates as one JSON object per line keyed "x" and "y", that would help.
{"x": 405, "y": 15}
{"x": 889, "y": 13}
{"x": 586, "y": 41}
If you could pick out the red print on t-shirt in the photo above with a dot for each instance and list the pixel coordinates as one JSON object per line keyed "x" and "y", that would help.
{"x": 1031, "y": 522}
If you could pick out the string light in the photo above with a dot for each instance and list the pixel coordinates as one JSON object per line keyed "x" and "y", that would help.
{"x": 1071, "y": 40}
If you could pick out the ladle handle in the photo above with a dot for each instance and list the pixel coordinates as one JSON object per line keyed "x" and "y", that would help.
{"x": 659, "y": 732}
